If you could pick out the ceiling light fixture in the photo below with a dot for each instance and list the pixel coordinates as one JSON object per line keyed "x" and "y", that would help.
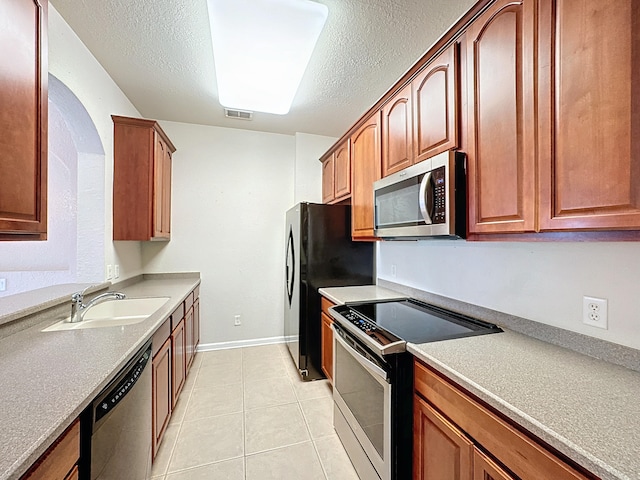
{"x": 261, "y": 49}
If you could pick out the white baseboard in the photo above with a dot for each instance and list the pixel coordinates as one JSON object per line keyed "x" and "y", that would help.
{"x": 208, "y": 347}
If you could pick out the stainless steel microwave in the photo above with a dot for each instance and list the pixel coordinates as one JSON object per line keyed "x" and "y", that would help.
{"x": 427, "y": 199}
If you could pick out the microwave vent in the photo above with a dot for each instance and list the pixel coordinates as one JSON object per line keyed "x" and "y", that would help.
{"x": 238, "y": 114}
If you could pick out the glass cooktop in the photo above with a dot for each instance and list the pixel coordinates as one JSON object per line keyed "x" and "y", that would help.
{"x": 418, "y": 322}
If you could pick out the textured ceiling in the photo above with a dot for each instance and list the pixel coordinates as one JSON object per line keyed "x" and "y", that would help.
{"x": 159, "y": 53}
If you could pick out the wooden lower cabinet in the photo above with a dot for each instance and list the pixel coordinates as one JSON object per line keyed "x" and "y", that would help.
{"x": 61, "y": 459}
{"x": 326, "y": 338}
{"x": 178, "y": 364}
{"x": 162, "y": 393}
{"x": 440, "y": 450}
{"x": 327, "y": 346}
{"x": 486, "y": 469}
{"x": 456, "y": 437}
{"x": 189, "y": 338}
{"x": 174, "y": 348}
{"x": 196, "y": 325}
{"x": 73, "y": 474}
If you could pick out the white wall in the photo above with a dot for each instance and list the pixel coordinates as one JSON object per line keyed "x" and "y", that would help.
{"x": 231, "y": 189}
{"x": 308, "y": 169}
{"x": 544, "y": 282}
{"x": 72, "y": 63}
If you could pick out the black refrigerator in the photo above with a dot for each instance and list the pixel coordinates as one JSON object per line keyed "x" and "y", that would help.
{"x": 319, "y": 253}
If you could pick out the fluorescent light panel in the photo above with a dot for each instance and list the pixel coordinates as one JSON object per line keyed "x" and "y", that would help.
{"x": 261, "y": 49}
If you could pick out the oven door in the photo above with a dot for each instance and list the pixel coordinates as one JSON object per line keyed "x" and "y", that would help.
{"x": 362, "y": 394}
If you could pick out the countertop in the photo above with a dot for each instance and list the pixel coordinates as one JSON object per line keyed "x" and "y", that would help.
{"x": 361, "y": 293}
{"x": 586, "y": 408}
{"x": 48, "y": 378}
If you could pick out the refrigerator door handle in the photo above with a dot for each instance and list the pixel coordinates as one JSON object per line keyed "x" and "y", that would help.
{"x": 290, "y": 269}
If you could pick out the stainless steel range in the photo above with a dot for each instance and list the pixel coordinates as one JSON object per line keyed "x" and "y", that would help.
{"x": 373, "y": 377}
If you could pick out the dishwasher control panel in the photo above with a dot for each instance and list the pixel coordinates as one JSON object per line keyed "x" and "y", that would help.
{"x": 110, "y": 401}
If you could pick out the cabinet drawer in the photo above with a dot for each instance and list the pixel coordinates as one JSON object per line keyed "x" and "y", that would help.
{"x": 325, "y": 304}
{"x": 162, "y": 335}
{"x": 196, "y": 293}
{"x": 188, "y": 303}
{"x": 521, "y": 454}
{"x": 176, "y": 316}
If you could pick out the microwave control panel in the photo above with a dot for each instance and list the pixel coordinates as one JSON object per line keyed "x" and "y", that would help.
{"x": 438, "y": 178}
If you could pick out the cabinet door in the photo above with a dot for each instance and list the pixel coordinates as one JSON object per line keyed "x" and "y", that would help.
{"x": 161, "y": 189}
{"x": 327, "y": 346}
{"x": 501, "y": 121}
{"x": 178, "y": 364}
{"x": 196, "y": 325}
{"x": 73, "y": 474}
{"x": 342, "y": 171}
{"x": 327, "y": 179}
{"x": 161, "y": 393}
{"x": 397, "y": 135}
{"x": 589, "y": 123}
{"x": 440, "y": 450}
{"x": 435, "y": 107}
{"x": 486, "y": 469}
{"x": 166, "y": 193}
{"x": 188, "y": 335}
{"x": 366, "y": 169}
{"x": 23, "y": 120}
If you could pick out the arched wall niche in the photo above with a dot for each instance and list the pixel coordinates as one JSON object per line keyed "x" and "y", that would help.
{"x": 74, "y": 250}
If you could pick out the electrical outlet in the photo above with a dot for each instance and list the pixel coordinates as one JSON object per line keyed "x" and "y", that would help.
{"x": 236, "y": 320}
{"x": 3, "y": 284}
{"x": 594, "y": 312}
{"x": 116, "y": 271}
{"x": 109, "y": 272}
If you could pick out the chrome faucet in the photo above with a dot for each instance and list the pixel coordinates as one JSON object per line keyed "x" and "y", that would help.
{"x": 79, "y": 308}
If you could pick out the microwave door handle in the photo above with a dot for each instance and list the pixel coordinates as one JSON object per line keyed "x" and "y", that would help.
{"x": 367, "y": 364}
{"x": 425, "y": 190}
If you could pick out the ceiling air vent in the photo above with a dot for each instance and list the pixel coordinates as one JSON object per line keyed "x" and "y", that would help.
{"x": 239, "y": 114}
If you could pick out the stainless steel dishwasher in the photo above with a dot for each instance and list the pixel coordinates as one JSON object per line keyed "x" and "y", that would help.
{"x": 116, "y": 426}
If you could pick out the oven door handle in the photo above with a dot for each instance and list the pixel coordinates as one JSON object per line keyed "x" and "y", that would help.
{"x": 367, "y": 364}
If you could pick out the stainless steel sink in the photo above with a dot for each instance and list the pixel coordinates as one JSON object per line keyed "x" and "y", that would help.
{"x": 115, "y": 313}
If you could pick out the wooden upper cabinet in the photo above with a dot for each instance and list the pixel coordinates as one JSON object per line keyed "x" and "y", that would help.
{"x": 588, "y": 116}
{"x": 23, "y": 120}
{"x": 336, "y": 174}
{"x": 500, "y": 119}
{"x": 436, "y": 106}
{"x": 141, "y": 180}
{"x": 328, "y": 165}
{"x": 342, "y": 171}
{"x": 397, "y": 135}
{"x": 440, "y": 450}
{"x": 365, "y": 169}
{"x": 162, "y": 189}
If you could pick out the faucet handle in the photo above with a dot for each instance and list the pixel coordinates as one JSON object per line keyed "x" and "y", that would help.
{"x": 79, "y": 296}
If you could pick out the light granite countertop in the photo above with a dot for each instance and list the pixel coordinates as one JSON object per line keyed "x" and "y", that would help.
{"x": 48, "y": 378}
{"x": 360, "y": 293}
{"x": 586, "y": 408}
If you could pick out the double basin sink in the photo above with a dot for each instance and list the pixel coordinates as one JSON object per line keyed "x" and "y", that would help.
{"x": 113, "y": 313}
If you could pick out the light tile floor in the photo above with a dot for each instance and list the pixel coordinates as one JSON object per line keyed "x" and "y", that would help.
{"x": 244, "y": 414}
